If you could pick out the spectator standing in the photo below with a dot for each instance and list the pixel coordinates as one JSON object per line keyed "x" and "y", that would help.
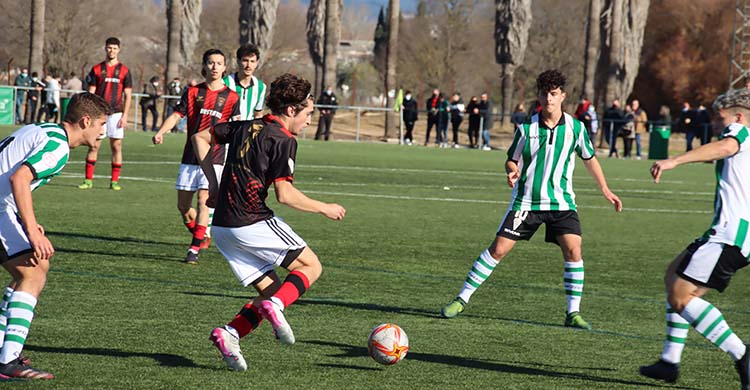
{"x": 327, "y": 98}
{"x": 687, "y": 124}
{"x": 53, "y": 99}
{"x": 627, "y": 131}
{"x": 148, "y": 103}
{"x": 519, "y": 116}
{"x": 485, "y": 108}
{"x": 174, "y": 88}
{"x": 32, "y": 98}
{"x": 457, "y": 108}
{"x": 411, "y": 113}
{"x": 73, "y": 83}
{"x": 22, "y": 80}
{"x": 640, "y": 119}
{"x": 612, "y": 122}
{"x": 474, "y": 121}
{"x": 442, "y": 124}
{"x": 665, "y": 116}
{"x": 432, "y": 114}
{"x": 582, "y": 114}
{"x": 703, "y": 124}
{"x": 594, "y": 118}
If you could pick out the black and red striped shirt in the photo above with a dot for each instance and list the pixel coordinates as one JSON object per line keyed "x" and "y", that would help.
{"x": 261, "y": 152}
{"x": 110, "y": 82}
{"x": 204, "y": 109}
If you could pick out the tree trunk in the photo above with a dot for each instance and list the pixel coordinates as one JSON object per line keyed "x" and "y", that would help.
{"x": 174, "y": 26}
{"x": 316, "y": 18}
{"x": 257, "y": 19}
{"x": 626, "y": 36}
{"x": 36, "y": 39}
{"x": 332, "y": 37}
{"x": 592, "y": 48}
{"x": 391, "y": 60}
{"x": 512, "y": 23}
{"x": 190, "y": 29}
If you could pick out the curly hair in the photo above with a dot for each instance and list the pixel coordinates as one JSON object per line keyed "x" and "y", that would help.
{"x": 549, "y": 80}
{"x": 289, "y": 90}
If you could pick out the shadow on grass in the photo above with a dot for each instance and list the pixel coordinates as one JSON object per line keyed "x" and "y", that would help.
{"x": 164, "y": 359}
{"x": 106, "y": 238}
{"x": 128, "y": 255}
{"x": 349, "y": 367}
{"x": 350, "y": 351}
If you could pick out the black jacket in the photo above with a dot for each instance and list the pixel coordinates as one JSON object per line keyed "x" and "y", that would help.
{"x": 410, "y": 110}
{"x": 328, "y": 100}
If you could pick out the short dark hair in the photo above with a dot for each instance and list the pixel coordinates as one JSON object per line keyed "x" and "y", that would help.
{"x": 72, "y": 74}
{"x": 246, "y": 50}
{"x": 34, "y": 74}
{"x": 549, "y": 80}
{"x": 209, "y": 53}
{"x": 86, "y": 103}
{"x": 289, "y": 90}
{"x": 112, "y": 41}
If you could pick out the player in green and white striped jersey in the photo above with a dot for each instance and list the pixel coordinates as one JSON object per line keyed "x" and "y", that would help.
{"x": 251, "y": 90}
{"x": 711, "y": 260}
{"x": 29, "y": 158}
{"x": 539, "y": 168}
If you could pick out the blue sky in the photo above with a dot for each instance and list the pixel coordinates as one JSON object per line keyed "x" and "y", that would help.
{"x": 407, "y": 6}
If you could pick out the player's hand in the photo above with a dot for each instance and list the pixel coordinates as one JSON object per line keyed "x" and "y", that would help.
{"x": 659, "y": 167}
{"x": 157, "y": 139}
{"x": 614, "y": 200}
{"x": 512, "y": 178}
{"x": 122, "y": 123}
{"x": 334, "y": 211}
{"x": 41, "y": 245}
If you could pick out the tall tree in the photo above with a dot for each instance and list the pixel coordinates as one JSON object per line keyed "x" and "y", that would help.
{"x": 190, "y": 28}
{"x": 512, "y": 22}
{"x": 36, "y": 41}
{"x": 332, "y": 38}
{"x": 174, "y": 27}
{"x": 316, "y": 25}
{"x": 391, "y": 59}
{"x": 257, "y": 19}
{"x": 381, "y": 42}
{"x": 592, "y": 48}
{"x": 625, "y": 32}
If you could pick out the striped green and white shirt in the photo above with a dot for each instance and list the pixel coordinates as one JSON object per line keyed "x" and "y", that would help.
{"x": 43, "y": 147}
{"x": 252, "y": 98}
{"x": 546, "y": 159}
{"x": 732, "y": 199}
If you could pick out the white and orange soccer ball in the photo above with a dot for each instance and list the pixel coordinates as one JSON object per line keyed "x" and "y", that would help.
{"x": 388, "y": 344}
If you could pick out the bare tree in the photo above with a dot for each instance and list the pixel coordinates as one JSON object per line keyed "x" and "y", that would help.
{"x": 592, "y": 48}
{"x": 174, "y": 28}
{"x": 626, "y": 40}
{"x": 391, "y": 59}
{"x": 512, "y": 22}
{"x": 332, "y": 38}
{"x": 257, "y": 19}
{"x": 36, "y": 41}
{"x": 190, "y": 28}
{"x": 316, "y": 39}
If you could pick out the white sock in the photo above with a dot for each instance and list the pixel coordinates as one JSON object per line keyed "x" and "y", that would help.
{"x": 20, "y": 314}
{"x": 573, "y": 281}
{"x": 480, "y": 271}
{"x": 677, "y": 331}
{"x": 4, "y": 312}
{"x": 708, "y": 321}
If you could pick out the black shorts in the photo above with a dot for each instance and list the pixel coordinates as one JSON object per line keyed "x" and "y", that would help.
{"x": 521, "y": 225}
{"x": 710, "y": 264}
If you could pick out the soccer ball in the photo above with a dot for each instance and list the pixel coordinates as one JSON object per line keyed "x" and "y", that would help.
{"x": 388, "y": 344}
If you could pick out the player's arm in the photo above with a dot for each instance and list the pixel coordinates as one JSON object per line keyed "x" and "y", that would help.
{"x": 595, "y": 170}
{"x": 168, "y": 124}
{"x": 128, "y": 92}
{"x": 202, "y": 146}
{"x": 20, "y": 183}
{"x": 709, "y": 152}
{"x": 511, "y": 172}
{"x": 290, "y": 196}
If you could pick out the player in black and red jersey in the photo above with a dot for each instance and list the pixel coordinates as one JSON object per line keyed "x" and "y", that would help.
{"x": 262, "y": 154}
{"x": 205, "y": 105}
{"x": 111, "y": 80}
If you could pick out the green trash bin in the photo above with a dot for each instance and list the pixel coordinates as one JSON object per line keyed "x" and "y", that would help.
{"x": 63, "y": 107}
{"x": 658, "y": 145}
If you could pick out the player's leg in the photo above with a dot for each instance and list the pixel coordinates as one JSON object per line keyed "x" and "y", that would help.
{"x": 189, "y": 217}
{"x": 115, "y": 134}
{"x": 573, "y": 277}
{"x": 30, "y": 276}
{"x": 91, "y": 157}
{"x": 4, "y": 309}
{"x": 201, "y": 224}
{"x": 704, "y": 266}
{"x": 206, "y": 243}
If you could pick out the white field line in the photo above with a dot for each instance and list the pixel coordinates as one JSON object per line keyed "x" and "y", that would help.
{"x": 496, "y": 173}
{"x": 417, "y": 198}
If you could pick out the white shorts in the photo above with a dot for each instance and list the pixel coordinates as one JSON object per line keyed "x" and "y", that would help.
{"x": 12, "y": 236}
{"x": 113, "y": 131}
{"x": 253, "y": 251}
{"x": 191, "y": 178}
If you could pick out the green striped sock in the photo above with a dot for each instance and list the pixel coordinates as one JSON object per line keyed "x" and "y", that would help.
{"x": 4, "y": 311}
{"x": 677, "y": 331}
{"x": 480, "y": 271}
{"x": 20, "y": 314}
{"x": 210, "y": 221}
{"x": 573, "y": 281}
{"x": 708, "y": 321}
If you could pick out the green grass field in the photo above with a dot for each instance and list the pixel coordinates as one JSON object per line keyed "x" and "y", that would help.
{"x": 121, "y": 311}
